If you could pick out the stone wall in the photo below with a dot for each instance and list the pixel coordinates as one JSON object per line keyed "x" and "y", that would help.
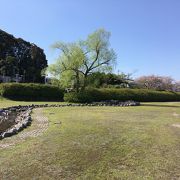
{"x": 14, "y": 119}
{"x": 19, "y": 117}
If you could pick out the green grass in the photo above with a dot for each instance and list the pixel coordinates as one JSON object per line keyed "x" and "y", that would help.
{"x": 100, "y": 143}
{"x": 7, "y": 103}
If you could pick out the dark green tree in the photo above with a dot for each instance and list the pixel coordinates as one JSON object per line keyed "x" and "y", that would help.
{"x": 21, "y": 57}
{"x": 101, "y": 79}
{"x": 9, "y": 66}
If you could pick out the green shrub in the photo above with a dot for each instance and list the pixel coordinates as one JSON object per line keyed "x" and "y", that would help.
{"x": 142, "y": 95}
{"x": 31, "y": 91}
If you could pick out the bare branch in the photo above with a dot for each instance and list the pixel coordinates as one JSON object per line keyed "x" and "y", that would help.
{"x": 100, "y": 64}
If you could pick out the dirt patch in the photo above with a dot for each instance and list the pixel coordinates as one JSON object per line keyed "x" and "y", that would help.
{"x": 39, "y": 125}
{"x": 176, "y": 115}
{"x": 7, "y": 123}
{"x": 176, "y": 125}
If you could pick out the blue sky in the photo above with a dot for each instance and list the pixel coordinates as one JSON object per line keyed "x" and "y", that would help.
{"x": 145, "y": 33}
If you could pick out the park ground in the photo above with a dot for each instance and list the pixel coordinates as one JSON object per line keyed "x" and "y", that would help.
{"x": 96, "y": 143}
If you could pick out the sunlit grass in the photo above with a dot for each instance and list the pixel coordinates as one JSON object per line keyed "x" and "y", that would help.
{"x": 100, "y": 143}
{"x": 7, "y": 103}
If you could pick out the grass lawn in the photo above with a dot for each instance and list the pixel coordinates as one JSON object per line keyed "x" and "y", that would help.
{"x": 7, "y": 103}
{"x": 99, "y": 143}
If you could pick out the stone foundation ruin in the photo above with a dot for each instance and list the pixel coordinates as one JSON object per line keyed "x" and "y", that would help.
{"x": 16, "y": 118}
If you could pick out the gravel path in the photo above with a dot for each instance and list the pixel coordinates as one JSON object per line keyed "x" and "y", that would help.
{"x": 38, "y": 126}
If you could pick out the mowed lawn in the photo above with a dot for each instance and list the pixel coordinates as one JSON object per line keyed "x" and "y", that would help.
{"x": 100, "y": 143}
{"x": 7, "y": 103}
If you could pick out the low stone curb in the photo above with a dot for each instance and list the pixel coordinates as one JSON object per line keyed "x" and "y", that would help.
{"x": 24, "y": 119}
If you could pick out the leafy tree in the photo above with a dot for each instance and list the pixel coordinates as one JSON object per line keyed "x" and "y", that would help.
{"x": 101, "y": 79}
{"x": 83, "y": 58}
{"x": 9, "y": 66}
{"x": 68, "y": 65}
{"x": 21, "y": 57}
{"x": 176, "y": 86}
{"x": 155, "y": 82}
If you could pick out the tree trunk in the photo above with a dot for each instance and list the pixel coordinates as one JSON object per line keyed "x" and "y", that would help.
{"x": 77, "y": 82}
{"x": 84, "y": 82}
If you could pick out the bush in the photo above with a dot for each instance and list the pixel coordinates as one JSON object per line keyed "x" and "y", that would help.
{"x": 141, "y": 95}
{"x": 31, "y": 91}
{"x": 82, "y": 97}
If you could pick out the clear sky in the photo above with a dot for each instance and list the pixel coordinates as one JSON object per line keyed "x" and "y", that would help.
{"x": 145, "y": 33}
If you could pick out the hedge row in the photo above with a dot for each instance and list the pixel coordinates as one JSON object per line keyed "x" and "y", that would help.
{"x": 31, "y": 91}
{"x": 141, "y": 95}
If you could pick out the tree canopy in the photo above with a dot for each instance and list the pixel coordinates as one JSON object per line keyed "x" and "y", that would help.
{"x": 155, "y": 82}
{"x": 80, "y": 59}
{"x": 101, "y": 79}
{"x": 18, "y": 56}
